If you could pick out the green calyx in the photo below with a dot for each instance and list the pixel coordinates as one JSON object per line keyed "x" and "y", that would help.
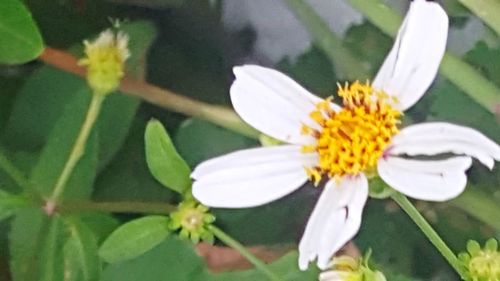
{"x": 349, "y": 269}
{"x": 481, "y": 264}
{"x": 191, "y": 219}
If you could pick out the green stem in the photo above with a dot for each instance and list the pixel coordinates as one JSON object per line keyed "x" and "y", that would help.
{"x": 116, "y": 207}
{"x": 427, "y": 229}
{"x": 457, "y": 71}
{"x": 486, "y": 10}
{"x": 228, "y": 240}
{"x": 343, "y": 59}
{"x": 17, "y": 176}
{"x": 479, "y": 205}
{"x": 79, "y": 146}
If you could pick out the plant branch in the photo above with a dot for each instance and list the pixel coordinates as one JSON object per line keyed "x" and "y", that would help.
{"x": 479, "y": 205}
{"x": 78, "y": 148}
{"x": 219, "y": 115}
{"x": 231, "y": 242}
{"x": 427, "y": 229}
{"x": 115, "y": 207}
{"x": 343, "y": 60}
{"x": 486, "y": 10}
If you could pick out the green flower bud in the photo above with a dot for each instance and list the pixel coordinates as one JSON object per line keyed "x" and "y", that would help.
{"x": 192, "y": 219}
{"x": 481, "y": 264}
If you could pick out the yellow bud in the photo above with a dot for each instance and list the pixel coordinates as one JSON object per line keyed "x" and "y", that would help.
{"x": 105, "y": 59}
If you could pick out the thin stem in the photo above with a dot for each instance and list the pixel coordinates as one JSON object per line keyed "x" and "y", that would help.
{"x": 228, "y": 240}
{"x": 479, "y": 205}
{"x": 78, "y": 148}
{"x": 343, "y": 59}
{"x": 427, "y": 229}
{"x": 116, "y": 207}
{"x": 164, "y": 98}
{"x": 486, "y": 10}
{"x": 17, "y": 176}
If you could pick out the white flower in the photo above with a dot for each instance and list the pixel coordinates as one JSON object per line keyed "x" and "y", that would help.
{"x": 342, "y": 144}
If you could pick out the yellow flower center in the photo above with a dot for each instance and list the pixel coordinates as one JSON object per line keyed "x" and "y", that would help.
{"x": 351, "y": 140}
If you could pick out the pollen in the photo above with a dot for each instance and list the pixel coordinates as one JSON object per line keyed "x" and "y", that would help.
{"x": 351, "y": 140}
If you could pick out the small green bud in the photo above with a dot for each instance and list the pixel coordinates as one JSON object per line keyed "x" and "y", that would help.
{"x": 192, "y": 218}
{"x": 481, "y": 264}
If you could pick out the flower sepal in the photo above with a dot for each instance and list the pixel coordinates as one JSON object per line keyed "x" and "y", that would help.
{"x": 346, "y": 268}
{"x": 378, "y": 189}
{"x": 481, "y": 264}
{"x": 192, "y": 220}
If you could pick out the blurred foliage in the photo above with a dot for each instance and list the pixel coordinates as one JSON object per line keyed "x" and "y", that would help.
{"x": 185, "y": 46}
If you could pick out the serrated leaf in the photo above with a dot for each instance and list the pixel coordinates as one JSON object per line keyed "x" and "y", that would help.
{"x": 20, "y": 40}
{"x": 134, "y": 238}
{"x": 58, "y": 148}
{"x": 174, "y": 259}
{"x": 165, "y": 164}
{"x": 80, "y": 252}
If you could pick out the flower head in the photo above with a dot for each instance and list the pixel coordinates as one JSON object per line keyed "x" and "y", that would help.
{"x": 192, "y": 219}
{"x": 341, "y": 145}
{"x": 346, "y": 268}
{"x": 482, "y": 264}
{"x": 105, "y": 61}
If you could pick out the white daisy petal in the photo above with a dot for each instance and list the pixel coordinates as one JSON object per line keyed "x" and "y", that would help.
{"x": 336, "y": 218}
{"x": 413, "y": 62}
{"x": 440, "y": 137}
{"x": 272, "y": 103}
{"x": 432, "y": 180}
{"x": 251, "y": 177}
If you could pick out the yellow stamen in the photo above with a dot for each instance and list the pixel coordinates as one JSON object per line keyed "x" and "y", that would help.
{"x": 351, "y": 140}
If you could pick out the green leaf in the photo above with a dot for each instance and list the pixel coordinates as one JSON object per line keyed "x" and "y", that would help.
{"x": 35, "y": 244}
{"x": 80, "y": 252}
{"x": 127, "y": 178}
{"x": 198, "y": 140}
{"x": 101, "y": 224}
{"x": 58, "y": 148}
{"x": 20, "y": 40}
{"x": 51, "y": 255}
{"x": 286, "y": 267}
{"x": 46, "y": 93}
{"x": 174, "y": 259}
{"x": 10, "y": 203}
{"x": 134, "y": 238}
{"x": 166, "y": 165}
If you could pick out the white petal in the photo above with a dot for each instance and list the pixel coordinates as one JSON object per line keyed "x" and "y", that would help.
{"x": 272, "y": 103}
{"x": 251, "y": 177}
{"x": 432, "y": 180}
{"x": 439, "y": 137}
{"x": 413, "y": 62}
{"x": 333, "y": 275}
{"x": 336, "y": 218}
